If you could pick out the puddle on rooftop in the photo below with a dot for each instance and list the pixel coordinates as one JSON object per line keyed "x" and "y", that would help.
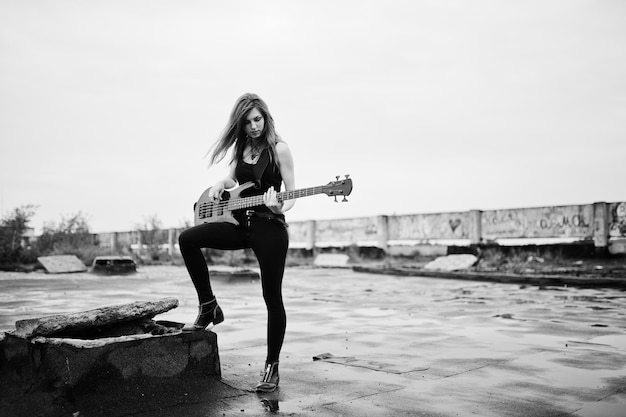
{"x": 608, "y": 407}
{"x": 586, "y": 298}
{"x": 561, "y": 375}
{"x": 523, "y": 301}
{"x": 616, "y": 340}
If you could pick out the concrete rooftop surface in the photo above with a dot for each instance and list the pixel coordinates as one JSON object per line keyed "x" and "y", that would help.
{"x": 393, "y": 346}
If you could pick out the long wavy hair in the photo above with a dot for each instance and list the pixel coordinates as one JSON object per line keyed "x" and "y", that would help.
{"x": 234, "y": 134}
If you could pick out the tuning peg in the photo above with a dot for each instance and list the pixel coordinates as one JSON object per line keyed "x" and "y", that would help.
{"x": 337, "y": 176}
{"x": 345, "y": 200}
{"x": 336, "y": 199}
{"x": 347, "y": 176}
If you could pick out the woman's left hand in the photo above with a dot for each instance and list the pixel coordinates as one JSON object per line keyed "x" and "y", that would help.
{"x": 271, "y": 201}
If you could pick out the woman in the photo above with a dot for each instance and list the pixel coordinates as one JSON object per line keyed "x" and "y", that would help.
{"x": 250, "y": 132}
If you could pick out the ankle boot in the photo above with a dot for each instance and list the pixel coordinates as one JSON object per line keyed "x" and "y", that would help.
{"x": 208, "y": 313}
{"x": 270, "y": 378}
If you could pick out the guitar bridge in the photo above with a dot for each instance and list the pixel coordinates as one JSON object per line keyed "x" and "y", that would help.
{"x": 249, "y": 214}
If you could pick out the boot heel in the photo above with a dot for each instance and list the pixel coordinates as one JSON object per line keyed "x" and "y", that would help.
{"x": 208, "y": 313}
{"x": 270, "y": 380}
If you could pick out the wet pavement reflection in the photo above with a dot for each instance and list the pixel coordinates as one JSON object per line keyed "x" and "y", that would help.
{"x": 407, "y": 345}
{"x": 270, "y": 405}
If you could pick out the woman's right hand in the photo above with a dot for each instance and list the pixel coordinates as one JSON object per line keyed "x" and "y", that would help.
{"x": 227, "y": 182}
{"x": 216, "y": 191}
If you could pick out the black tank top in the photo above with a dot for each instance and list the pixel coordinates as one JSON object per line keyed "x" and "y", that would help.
{"x": 245, "y": 172}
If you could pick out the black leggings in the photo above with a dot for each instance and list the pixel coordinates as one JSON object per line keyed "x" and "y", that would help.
{"x": 269, "y": 241}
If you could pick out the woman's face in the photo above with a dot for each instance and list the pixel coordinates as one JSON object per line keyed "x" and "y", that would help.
{"x": 254, "y": 124}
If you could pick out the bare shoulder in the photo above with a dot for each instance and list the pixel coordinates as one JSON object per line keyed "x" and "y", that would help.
{"x": 283, "y": 152}
{"x": 282, "y": 148}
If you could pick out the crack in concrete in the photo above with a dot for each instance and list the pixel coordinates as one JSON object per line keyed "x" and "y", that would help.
{"x": 363, "y": 396}
{"x": 473, "y": 369}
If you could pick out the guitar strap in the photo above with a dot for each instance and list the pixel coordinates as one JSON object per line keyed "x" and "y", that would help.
{"x": 259, "y": 167}
{"x": 258, "y": 171}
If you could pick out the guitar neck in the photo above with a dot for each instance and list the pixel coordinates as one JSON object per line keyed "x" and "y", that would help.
{"x": 257, "y": 200}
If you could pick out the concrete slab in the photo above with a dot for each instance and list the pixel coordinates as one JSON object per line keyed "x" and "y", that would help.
{"x": 59, "y": 264}
{"x": 452, "y": 262}
{"x": 233, "y": 274}
{"x": 99, "y": 317}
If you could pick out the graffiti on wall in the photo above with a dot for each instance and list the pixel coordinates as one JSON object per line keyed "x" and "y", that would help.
{"x": 347, "y": 230}
{"x": 429, "y": 226}
{"x": 542, "y": 222}
{"x": 617, "y": 219}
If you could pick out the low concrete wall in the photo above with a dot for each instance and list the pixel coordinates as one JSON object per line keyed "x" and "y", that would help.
{"x": 599, "y": 222}
{"x": 603, "y": 223}
{"x": 55, "y": 376}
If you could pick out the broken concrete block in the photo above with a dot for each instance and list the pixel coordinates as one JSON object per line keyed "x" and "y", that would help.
{"x": 113, "y": 265}
{"x": 331, "y": 260}
{"x": 62, "y": 263}
{"x": 112, "y": 361}
{"x": 109, "y": 377}
{"x": 232, "y": 274}
{"x": 452, "y": 262}
{"x": 98, "y": 318}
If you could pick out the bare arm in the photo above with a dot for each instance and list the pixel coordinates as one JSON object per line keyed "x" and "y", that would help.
{"x": 289, "y": 179}
{"x": 226, "y": 182}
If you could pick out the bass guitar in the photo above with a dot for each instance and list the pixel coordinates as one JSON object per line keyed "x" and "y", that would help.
{"x": 209, "y": 211}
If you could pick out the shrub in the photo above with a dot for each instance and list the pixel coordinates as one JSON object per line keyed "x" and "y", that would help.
{"x": 152, "y": 236}
{"x": 14, "y": 248}
{"x": 70, "y": 237}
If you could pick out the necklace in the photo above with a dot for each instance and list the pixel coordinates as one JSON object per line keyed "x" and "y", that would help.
{"x": 254, "y": 151}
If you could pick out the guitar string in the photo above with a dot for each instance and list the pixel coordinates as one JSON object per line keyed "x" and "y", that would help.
{"x": 241, "y": 202}
{"x": 259, "y": 198}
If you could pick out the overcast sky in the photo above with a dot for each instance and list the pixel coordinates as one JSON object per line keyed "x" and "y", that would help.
{"x": 109, "y": 107}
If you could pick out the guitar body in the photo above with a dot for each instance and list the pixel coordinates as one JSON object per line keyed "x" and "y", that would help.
{"x": 209, "y": 211}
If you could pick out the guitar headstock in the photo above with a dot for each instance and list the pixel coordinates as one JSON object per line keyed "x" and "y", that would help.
{"x": 340, "y": 187}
